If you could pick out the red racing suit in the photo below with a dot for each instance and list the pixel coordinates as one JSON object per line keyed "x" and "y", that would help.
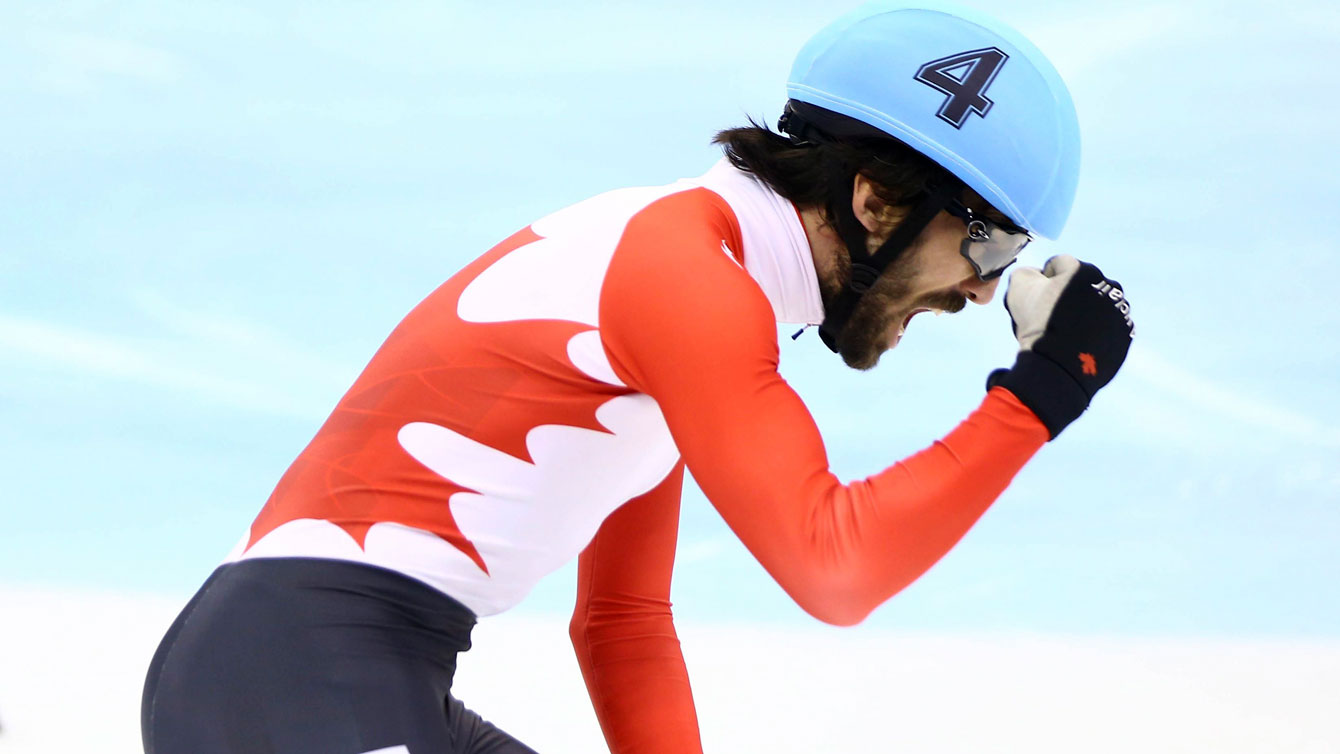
{"x": 544, "y": 402}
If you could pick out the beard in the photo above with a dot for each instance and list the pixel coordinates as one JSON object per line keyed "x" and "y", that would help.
{"x": 881, "y": 312}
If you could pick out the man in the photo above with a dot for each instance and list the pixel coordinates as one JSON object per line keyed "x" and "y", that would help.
{"x": 545, "y": 401}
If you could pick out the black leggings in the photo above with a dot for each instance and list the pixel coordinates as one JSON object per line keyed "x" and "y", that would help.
{"x": 311, "y": 656}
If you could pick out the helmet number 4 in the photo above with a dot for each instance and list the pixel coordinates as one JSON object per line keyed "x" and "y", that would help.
{"x": 965, "y": 77}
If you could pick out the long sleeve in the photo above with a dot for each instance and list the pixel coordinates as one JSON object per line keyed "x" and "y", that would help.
{"x": 623, "y": 631}
{"x": 686, "y": 325}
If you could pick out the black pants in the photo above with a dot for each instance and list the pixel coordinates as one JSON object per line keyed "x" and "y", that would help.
{"x": 311, "y": 656}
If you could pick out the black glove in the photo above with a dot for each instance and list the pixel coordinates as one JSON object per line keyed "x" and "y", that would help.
{"x": 1074, "y": 328}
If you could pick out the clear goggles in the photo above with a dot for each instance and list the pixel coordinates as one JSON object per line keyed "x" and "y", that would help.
{"x": 989, "y": 248}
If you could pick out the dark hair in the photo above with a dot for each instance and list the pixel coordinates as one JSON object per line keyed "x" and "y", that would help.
{"x": 812, "y": 174}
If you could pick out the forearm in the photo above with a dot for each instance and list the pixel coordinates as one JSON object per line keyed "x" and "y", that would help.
{"x": 842, "y": 550}
{"x": 635, "y": 673}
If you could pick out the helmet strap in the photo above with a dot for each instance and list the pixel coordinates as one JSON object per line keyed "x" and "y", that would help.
{"x": 866, "y": 268}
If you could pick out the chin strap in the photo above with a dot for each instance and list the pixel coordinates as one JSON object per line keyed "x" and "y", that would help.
{"x": 866, "y": 269}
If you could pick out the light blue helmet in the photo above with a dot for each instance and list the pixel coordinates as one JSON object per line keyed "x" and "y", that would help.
{"x": 961, "y": 88}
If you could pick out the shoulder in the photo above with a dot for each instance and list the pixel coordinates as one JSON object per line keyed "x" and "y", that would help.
{"x": 686, "y": 247}
{"x": 676, "y": 288}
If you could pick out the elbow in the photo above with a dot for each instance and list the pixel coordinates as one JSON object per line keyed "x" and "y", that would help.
{"x": 838, "y": 599}
{"x": 577, "y": 628}
{"x": 841, "y": 616}
{"x": 602, "y": 618}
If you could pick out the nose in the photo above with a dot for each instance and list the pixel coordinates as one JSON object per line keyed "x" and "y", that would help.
{"x": 977, "y": 290}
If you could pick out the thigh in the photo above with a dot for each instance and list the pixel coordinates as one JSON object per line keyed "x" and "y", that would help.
{"x": 472, "y": 734}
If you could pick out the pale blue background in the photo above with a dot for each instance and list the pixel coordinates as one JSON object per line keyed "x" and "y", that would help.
{"x": 212, "y": 213}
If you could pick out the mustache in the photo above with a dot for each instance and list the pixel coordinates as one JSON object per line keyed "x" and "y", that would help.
{"x": 949, "y": 302}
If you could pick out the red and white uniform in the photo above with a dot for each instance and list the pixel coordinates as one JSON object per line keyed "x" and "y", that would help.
{"x": 544, "y": 401}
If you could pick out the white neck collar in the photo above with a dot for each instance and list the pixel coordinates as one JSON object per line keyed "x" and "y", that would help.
{"x": 776, "y": 249}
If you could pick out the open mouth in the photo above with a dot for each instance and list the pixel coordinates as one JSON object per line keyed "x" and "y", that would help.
{"x": 907, "y": 321}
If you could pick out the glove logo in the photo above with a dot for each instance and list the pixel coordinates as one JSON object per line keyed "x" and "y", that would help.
{"x": 1118, "y": 298}
{"x": 1088, "y": 364}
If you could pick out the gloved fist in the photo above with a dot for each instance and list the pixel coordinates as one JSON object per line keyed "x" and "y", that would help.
{"x": 1074, "y": 329}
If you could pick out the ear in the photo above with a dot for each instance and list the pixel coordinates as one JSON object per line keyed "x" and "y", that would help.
{"x": 874, "y": 213}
